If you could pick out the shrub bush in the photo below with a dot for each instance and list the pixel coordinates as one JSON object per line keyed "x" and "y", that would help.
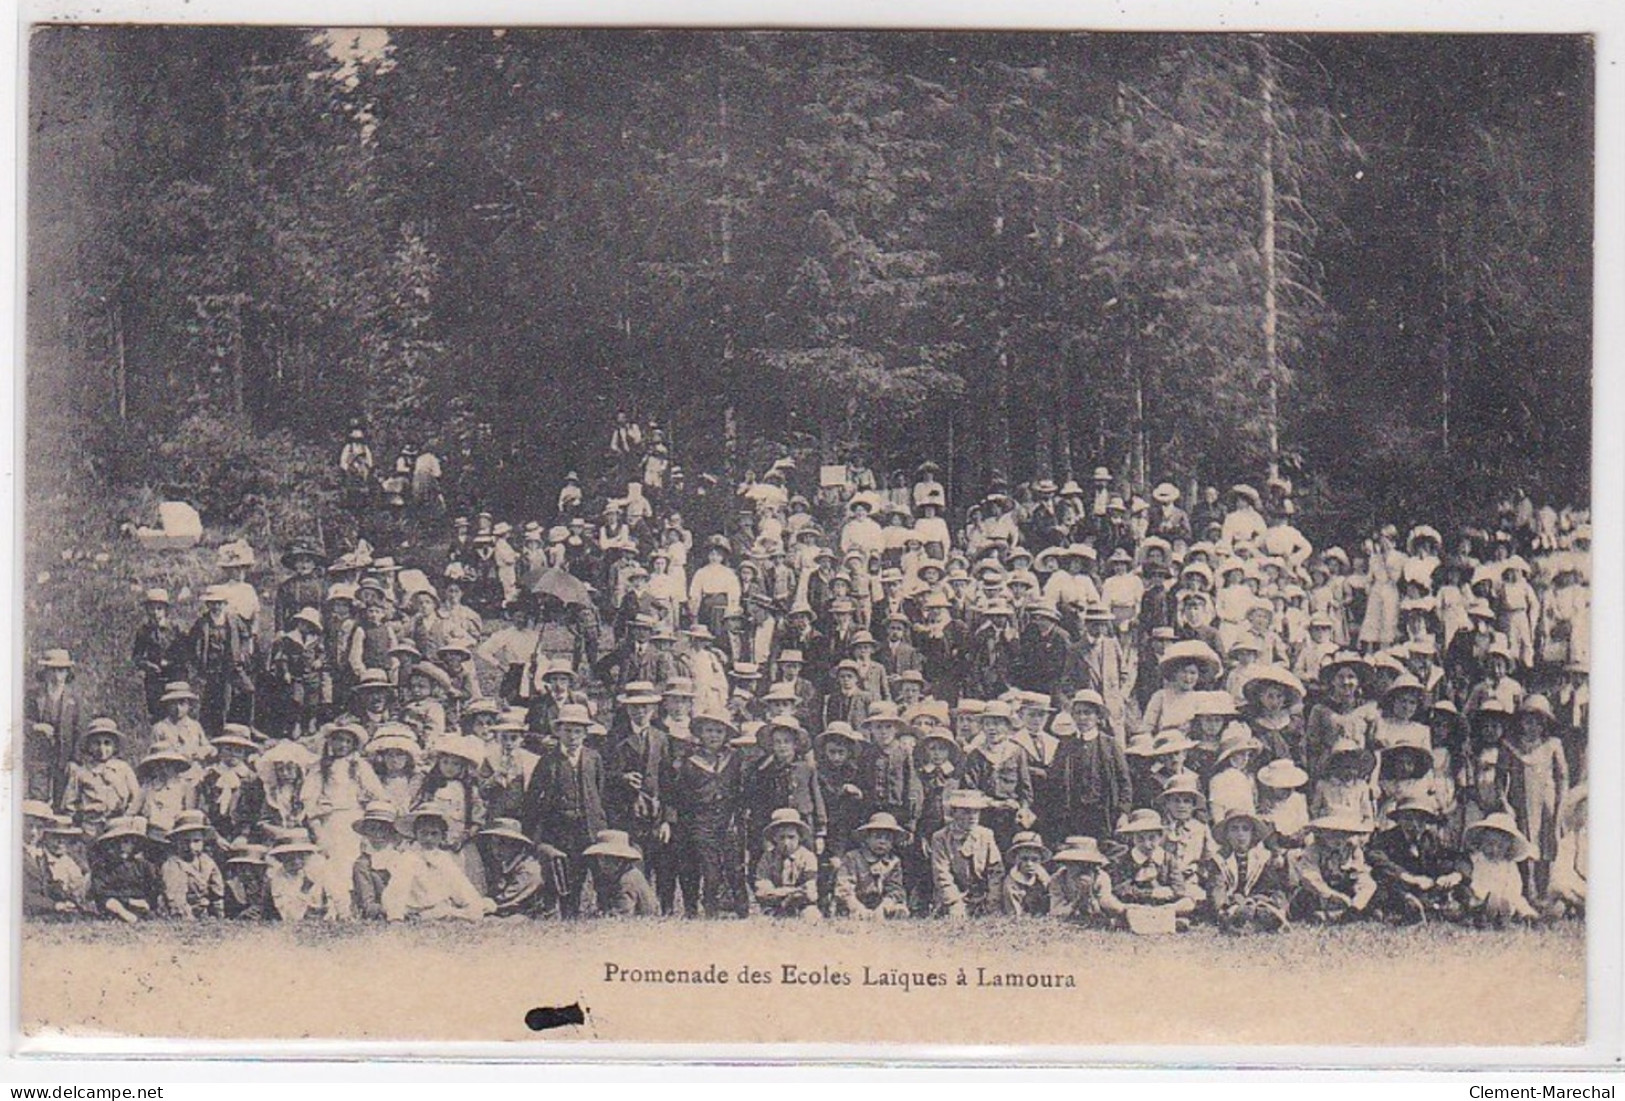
{"x": 236, "y": 477}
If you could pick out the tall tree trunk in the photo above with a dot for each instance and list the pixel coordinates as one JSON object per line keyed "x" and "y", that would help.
{"x": 1267, "y": 174}
{"x": 239, "y": 396}
{"x": 121, "y": 376}
{"x": 1063, "y": 423}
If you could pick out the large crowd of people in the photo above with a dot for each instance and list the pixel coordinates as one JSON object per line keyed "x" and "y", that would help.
{"x": 1083, "y": 703}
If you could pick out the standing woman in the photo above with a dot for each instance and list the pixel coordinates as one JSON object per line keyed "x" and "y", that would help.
{"x": 1342, "y": 714}
{"x": 715, "y": 587}
{"x": 1380, "y": 628}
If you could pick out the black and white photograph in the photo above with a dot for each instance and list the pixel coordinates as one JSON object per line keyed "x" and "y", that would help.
{"x": 806, "y": 536}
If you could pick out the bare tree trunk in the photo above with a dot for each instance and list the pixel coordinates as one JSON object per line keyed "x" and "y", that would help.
{"x": 1268, "y": 189}
{"x": 239, "y": 399}
{"x": 120, "y": 366}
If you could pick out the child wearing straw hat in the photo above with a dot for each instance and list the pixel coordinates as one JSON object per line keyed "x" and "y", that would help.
{"x": 1341, "y": 713}
{"x": 1282, "y": 804}
{"x": 1185, "y": 836}
{"x": 624, "y": 891}
{"x": 56, "y": 717}
{"x": 193, "y": 888}
{"x": 704, "y": 805}
{"x": 786, "y": 876}
{"x": 298, "y": 889}
{"x": 1081, "y": 889}
{"x": 1232, "y": 786}
{"x": 248, "y": 894}
{"x": 1246, "y": 882}
{"x": 123, "y": 879}
{"x": 967, "y": 870}
{"x": 428, "y": 883}
{"x": 1275, "y": 712}
{"x": 1025, "y": 890}
{"x": 169, "y": 780}
{"x": 1334, "y": 879}
{"x": 231, "y": 793}
{"x": 55, "y": 884}
{"x": 1184, "y": 666}
{"x": 564, "y": 801}
{"x": 1144, "y": 874}
{"x": 1418, "y": 874}
{"x": 1534, "y": 773}
{"x": 998, "y": 768}
{"x": 381, "y": 846}
{"x": 519, "y": 882}
{"x": 869, "y": 880}
{"x": 101, "y": 786}
{"x": 1496, "y": 848}
{"x": 178, "y": 728}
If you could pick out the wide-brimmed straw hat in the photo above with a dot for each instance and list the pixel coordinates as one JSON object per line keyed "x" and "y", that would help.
{"x": 1341, "y": 823}
{"x": 1503, "y": 823}
{"x": 1273, "y": 674}
{"x": 1082, "y": 850}
{"x": 1144, "y": 820}
{"x": 1262, "y": 827}
{"x": 616, "y": 843}
{"x": 1027, "y": 840}
{"x": 177, "y": 690}
{"x": 506, "y": 829}
{"x": 189, "y": 823}
{"x": 1191, "y": 650}
{"x": 881, "y": 822}
{"x": 787, "y": 816}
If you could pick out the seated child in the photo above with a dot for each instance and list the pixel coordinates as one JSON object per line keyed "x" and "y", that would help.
{"x": 1144, "y": 875}
{"x": 1345, "y": 791}
{"x": 1496, "y": 848}
{"x": 1418, "y": 875}
{"x": 869, "y": 877}
{"x": 786, "y": 882}
{"x": 1281, "y": 803}
{"x": 1406, "y": 776}
{"x": 1025, "y": 892}
{"x": 1185, "y": 836}
{"x": 57, "y": 886}
{"x": 967, "y": 871}
{"x": 1081, "y": 888}
{"x": 517, "y": 879}
{"x": 1246, "y": 881}
{"x": 1232, "y": 786}
{"x": 429, "y": 883}
{"x": 1334, "y": 881}
{"x": 193, "y": 886}
{"x": 248, "y": 894}
{"x": 618, "y": 870}
{"x": 381, "y": 849}
{"x": 169, "y": 780}
{"x": 102, "y": 786}
{"x": 123, "y": 880}
{"x": 297, "y": 885}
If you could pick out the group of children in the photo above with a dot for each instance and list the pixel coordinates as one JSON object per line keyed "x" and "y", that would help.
{"x": 1213, "y": 722}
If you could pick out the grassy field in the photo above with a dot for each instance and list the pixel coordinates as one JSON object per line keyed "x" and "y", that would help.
{"x": 1363, "y": 985}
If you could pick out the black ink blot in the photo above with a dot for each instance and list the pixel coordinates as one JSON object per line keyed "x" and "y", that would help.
{"x": 545, "y": 1017}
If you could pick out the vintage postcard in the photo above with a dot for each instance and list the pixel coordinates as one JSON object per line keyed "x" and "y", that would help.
{"x": 948, "y": 539}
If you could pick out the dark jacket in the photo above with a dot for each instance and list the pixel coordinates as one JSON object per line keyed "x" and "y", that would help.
{"x": 564, "y": 802}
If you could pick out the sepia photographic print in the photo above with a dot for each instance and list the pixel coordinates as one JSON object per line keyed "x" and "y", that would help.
{"x": 543, "y": 536}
